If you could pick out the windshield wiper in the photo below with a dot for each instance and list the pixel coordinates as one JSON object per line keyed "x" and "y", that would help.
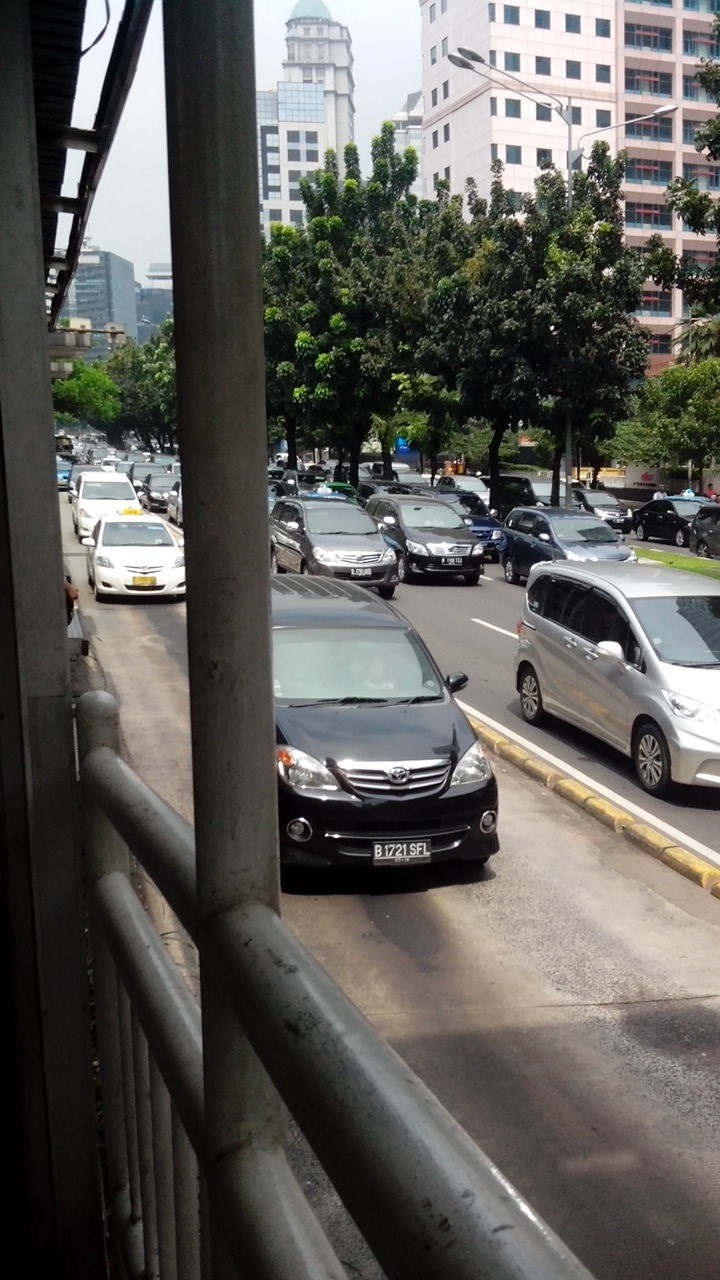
{"x": 350, "y": 701}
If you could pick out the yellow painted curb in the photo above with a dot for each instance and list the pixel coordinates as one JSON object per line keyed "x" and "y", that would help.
{"x": 715, "y": 891}
{"x": 691, "y": 867}
{"x": 608, "y": 813}
{"x": 649, "y": 838}
{"x": 516, "y": 755}
{"x": 572, "y": 790}
{"x": 542, "y": 771}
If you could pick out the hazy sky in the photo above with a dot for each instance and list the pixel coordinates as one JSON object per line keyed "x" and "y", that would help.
{"x": 129, "y": 215}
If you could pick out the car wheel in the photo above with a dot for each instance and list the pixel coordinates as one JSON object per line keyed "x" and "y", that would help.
{"x": 304, "y": 568}
{"x": 170, "y": 518}
{"x": 651, "y": 758}
{"x": 681, "y": 538}
{"x": 274, "y": 566}
{"x": 510, "y": 569}
{"x": 531, "y": 703}
{"x": 703, "y": 550}
{"x": 641, "y": 533}
{"x": 405, "y": 573}
{"x": 472, "y": 579}
{"x": 100, "y": 598}
{"x": 386, "y": 593}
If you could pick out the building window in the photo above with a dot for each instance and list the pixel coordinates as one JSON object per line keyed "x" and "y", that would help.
{"x": 702, "y": 6}
{"x": 655, "y": 302}
{"x": 293, "y": 135}
{"x": 293, "y": 154}
{"x": 311, "y": 138}
{"x": 433, "y": 55}
{"x": 432, "y": 13}
{"x": 543, "y": 156}
{"x": 511, "y": 15}
{"x": 542, "y": 19}
{"x": 435, "y": 139}
{"x": 707, "y": 177}
{"x": 602, "y": 73}
{"x": 446, "y": 132}
{"x": 312, "y": 156}
{"x": 602, "y": 27}
{"x": 512, "y": 108}
{"x": 446, "y": 89}
{"x": 699, "y": 44}
{"x": 492, "y": 58}
{"x": 690, "y": 128}
{"x": 493, "y": 106}
{"x": 493, "y": 151}
{"x": 275, "y": 215}
{"x": 654, "y": 173}
{"x": 512, "y": 61}
{"x": 513, "y": 154}
{"x": 543, "y": 111}
{"x": 693, "y": 91}
{"x": 296, "y": 217}
{"x": 443, "y": 6}
{"x": 572, "y": 23}
{"x": 491, "y": 11}
{"x": 660, "y": 344}
{"x": 436, "y": 179}
{"x": 447, "y": 174}
{"x": 433, "y": 97}
{"x": 572, "y": 69}
{"x": 653, "y": 84}
{"x": 638, "y": 36}
{"x": 576, "y": 115}
{"x": 542, "y": 66}
{"x": 647, "y": 215}
{"x": 659, "y": 130}
{"x": 444, "y": 47}
{"x": 603, "y": 119}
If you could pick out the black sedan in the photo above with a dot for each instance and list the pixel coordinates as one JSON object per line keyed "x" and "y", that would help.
{"x": 377, "y": 765}
{"x": 666, "y": 519}
{"x": 429, "y": 538}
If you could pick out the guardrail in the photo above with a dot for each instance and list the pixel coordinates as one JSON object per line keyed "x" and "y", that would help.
{"x": 190, "y": 1199}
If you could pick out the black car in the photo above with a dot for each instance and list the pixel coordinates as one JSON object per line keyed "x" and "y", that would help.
{"x": 667, "y": 519}
{"x": 601, "y": 502}
{"x": 154, "y": 489}
{"x": 485, "y": 526}
{"x": 429, "y": 538}
{"x": 377, "y": 765}
{"x": 330, "y": 535}
{"x": 705, "y": 531}
{"x": 554, "y": 533}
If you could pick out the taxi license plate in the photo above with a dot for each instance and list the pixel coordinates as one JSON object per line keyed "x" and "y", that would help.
{"x": 451, "y": 560}
{"x": 360, "y": 573}
{"x": 144, "y": 581}
{"x": 387, "y": 852}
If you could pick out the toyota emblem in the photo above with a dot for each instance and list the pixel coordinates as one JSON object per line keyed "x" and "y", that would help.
{"x": 398, "y": 775}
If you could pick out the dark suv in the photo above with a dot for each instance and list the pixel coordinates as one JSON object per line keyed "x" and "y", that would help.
{"x": 429, "y": 538}
{"x": 553, "y": 533}
{"x": 377, "y": 765}
{"x": 330, "y": 535}
{"x": 705, "y": 531}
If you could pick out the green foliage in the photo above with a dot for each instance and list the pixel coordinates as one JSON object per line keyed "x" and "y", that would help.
{"x": 677, "y": 419}
{"x": 88, "y": 395}
{"x": 146, "y": 380}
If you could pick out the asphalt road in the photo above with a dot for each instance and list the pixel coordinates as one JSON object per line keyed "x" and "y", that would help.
{"x": 564, "y": 1005}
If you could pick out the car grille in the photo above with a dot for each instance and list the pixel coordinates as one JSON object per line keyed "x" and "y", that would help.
{"x": 395, "y": 777}
{"x": 449, "y": 548}
{"x": 144, "y": 569}
{"x": 358, "y": 557}
{"x": 354, "y": 844}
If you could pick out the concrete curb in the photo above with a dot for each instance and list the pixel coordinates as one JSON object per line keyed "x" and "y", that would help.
{"x": 651, "y": 841}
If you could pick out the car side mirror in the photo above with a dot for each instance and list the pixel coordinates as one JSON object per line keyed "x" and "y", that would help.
{"x": 88, "y": 542}
{"x": 456, "y": 680}
{"x": 293, "y": 524}
{"x": 543, "y": 537}
{"x": 389, "y": 520}
{"x": 611, "y": 649}
{"x": 493, "y": 512}
{"x": 467, "y": 520}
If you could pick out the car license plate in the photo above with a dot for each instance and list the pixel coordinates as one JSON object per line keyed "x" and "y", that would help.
{"x": 360, "y": 573}
{"x": 451, "y": 560}
{"x": 400, "y": 851}
{"x": 144, "y": 581}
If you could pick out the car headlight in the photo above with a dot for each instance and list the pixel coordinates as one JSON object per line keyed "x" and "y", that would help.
{"x": 179, "y": 562}
{"x": 324, "y": 556}
{"x": 691, "y": 709}
{"x": 472, "y": 767}
{"x": 104, "y": 562}
{"x": 416, "y": 548}
{"x": 496, "y": 535}
{"x": 478, "y": 549}
{"x": 632, "y": 555}
{"x": 388, "y": 556}
{"x": 83, "y": 514}
{"x": 303, "y": 772}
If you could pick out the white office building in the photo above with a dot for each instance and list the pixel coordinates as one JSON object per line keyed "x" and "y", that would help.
{"x": 552, "y": 79}
{"x": 310, "y": 111}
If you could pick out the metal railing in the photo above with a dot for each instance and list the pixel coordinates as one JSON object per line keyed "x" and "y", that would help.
{"x": 188, "y": 1199}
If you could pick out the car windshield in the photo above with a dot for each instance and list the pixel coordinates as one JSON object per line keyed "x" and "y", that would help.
{"x": 601, "y": 499}
{"x": 468, "y": 482}
{"x": 338, "y": 516}
{"x": 339, "y": 664}
{"x": 686, "y": 507}
{"x": 684, "y": 630}
{"x": 582, "y": 529}
{"x": 97, "y": 489}
{"x": 434, "y": 515}
{"x": 133, "y": 533}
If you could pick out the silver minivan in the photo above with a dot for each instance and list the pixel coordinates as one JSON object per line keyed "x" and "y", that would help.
{"x": 631, "y": 654}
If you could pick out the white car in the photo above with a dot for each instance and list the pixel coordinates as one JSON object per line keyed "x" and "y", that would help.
{"x": 134, "y": 556}
{"x": 175, "y": 504}
{"x": 100, "y": 493}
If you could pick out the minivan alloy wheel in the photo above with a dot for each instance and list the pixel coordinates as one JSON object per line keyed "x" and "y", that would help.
{"x": 511, "y": 573}
{"x": 651, "y": 758}
{"x": 531, "y": 703}
{"x": 702, "y": 550}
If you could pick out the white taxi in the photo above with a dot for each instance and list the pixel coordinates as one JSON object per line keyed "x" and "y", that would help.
{"x": 99, "y": 493}
{"x": 134, "y": 556}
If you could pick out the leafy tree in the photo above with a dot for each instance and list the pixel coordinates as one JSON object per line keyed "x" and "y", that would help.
{"x": 145, "y": 377}
{"x": 677, "y": 419}
{"x": 436, "y": 408}
{"x": 88, "y": 395}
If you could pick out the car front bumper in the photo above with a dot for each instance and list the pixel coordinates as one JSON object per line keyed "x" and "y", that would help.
{"x": 371, "y": 575}
{"x": 432, "y": 566}
{"x": 695, "y": 759}
{"x": 119, "y": 582}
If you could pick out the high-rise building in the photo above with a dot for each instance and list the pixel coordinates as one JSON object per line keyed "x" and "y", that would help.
{"x": 408, "y": 125}
{"x": 310, "y": 111}
{"x": 154, "y": 301}
{"x": 550, "y": 81}
{"x": 103, "y": 292}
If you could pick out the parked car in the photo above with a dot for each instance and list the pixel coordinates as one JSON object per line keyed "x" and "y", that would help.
{"x": 99, "y": 493}
{"x": 428, "y": 537}
{"x": 462, "y": 484}
{"x": 667, "y": 519}
{"x": 477, "y": 516}
{"x": 175, "y": 504}
{"x": 631, "y": 654}
{"x": 554, "y": 533}
{"x": 705, "y": 531}
{"x": 377, "y": 765}
{"x": 155, "y": 490}
{"x": 137, "y": 556}
{"x": 329, "y": 535}
{"x": 603, "y": 503}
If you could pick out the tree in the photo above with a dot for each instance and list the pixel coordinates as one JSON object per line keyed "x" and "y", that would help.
{"x": 89, "y": 395}
{"x": 677, "y": 419}
{"x": 436, "y": 409}
{"x": 146, "y": 380}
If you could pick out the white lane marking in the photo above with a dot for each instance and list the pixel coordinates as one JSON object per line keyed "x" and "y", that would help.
{"x": 687, "y": 842}
{"x": 491, "y": 626}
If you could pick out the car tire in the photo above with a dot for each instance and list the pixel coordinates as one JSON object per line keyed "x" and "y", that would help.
{"x": 303, "y": 568}
{"x": 531, "y": 703}
{"x": 510, "y": 570}
{"x": 681, "y": 538}
{"x": 703, "y": 550}
{"x": 170, "y": 519}
{"x": 405, "y": 573}
{"x": 274, "y": 566}
{"x": 386, "y": 593}
{"x": 472, "y": 579}
{"x": 641, "y": 533}
{"x": 100, "y": 597}
{"x": 651, "y": 758}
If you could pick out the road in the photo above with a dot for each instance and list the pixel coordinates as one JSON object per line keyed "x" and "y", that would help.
{"x": 564, "y": 1005}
